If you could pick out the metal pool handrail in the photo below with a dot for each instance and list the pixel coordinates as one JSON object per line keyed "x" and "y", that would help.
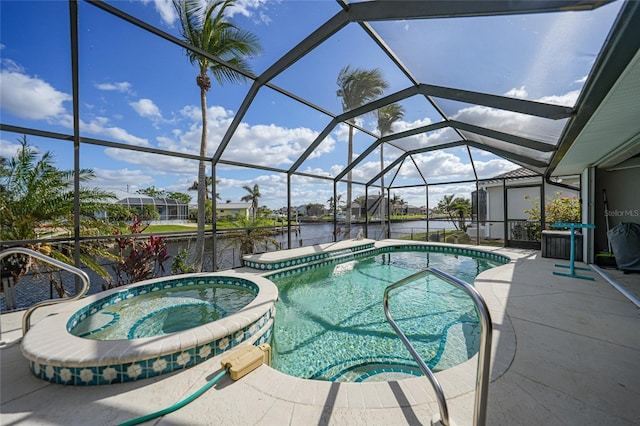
{"x": 484, "y": 352}
{"x": 26, "y": 324}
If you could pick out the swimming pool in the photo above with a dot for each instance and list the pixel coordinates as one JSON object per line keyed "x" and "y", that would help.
{"x": 331, "y": 325}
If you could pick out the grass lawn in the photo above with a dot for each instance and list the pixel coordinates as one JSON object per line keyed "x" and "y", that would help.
{"x": 170, "y": 228}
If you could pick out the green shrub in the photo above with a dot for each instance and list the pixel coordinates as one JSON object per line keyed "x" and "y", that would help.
{"x": 458, "y": 238}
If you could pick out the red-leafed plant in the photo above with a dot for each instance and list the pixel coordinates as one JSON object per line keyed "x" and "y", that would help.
{"x": 138, "y": 258}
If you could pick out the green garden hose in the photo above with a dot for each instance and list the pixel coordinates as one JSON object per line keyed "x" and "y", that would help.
{"x": 177, "y": 405}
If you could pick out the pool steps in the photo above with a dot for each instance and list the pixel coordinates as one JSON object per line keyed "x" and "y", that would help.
{"x": 484, "y": 352}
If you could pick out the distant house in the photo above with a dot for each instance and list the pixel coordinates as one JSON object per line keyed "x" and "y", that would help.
{"x": 413, "y": 210}
{"x": 316, "y": 210}
{"x": 168, "y": 209}
{"x": 234, "y": 210}
{"x": 514, "y": 186}
{"x": 373, "y": 205}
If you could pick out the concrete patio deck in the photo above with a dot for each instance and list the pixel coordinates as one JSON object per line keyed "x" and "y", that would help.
{"x": 565, "y": 352}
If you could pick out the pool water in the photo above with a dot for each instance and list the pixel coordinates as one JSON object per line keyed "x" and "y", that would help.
{"x": 330, "y": 324}
{"x": 163, "y": 312}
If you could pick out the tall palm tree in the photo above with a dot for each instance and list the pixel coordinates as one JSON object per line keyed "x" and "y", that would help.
{"x": 253, "y": 196}
{"x": 387, "y": 115}
{"x": 205, "y": 26}
{"x": 356, "y": 88}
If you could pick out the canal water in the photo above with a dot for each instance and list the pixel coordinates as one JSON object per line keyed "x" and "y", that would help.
{"x": 32, "y": 289}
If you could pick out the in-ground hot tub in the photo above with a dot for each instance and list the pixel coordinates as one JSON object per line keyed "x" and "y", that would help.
{"x": 150, "y": 328}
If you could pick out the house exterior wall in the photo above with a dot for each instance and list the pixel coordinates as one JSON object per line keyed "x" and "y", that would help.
{"x": 233, "y": 210}
{"x": 494, "y": 228}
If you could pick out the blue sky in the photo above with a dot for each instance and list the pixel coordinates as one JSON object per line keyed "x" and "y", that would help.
{"x": 138, "y": 89}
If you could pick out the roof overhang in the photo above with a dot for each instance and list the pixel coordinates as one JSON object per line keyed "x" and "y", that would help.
{"x": 605, "y": 132}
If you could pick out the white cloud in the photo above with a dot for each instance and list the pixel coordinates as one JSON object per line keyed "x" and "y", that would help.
{"x": 401, "y": 125}
{"x": 317, "y": 172}
{"x": 261, "y": 144}
{"x": 100, "y": 126}
{"x": 30, "y": 97}
{"x": 146, "y": 108}
{"x": 367, "y": 170}
{"x": 440, "y": 165}
{"x": 159, "y": 164}
{"x": 528, "y": 126}
{"x": 341, "y": 132}
{"x": 568, "y": 99}
{"x": 243, "y": 7}
{"x": 121, "y": 179}
{"x": 165, "y": 9}
{"x": 8, "y": 149}
{"x": 520, "y": 93}
{"x": 273, "y": 145}
{"x": 11, "y": 65}
{"x": 248, "y": 7}
{"x": 123, "y": 87}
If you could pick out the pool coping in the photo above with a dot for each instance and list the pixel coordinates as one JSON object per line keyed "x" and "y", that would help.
{"x": 51, "y": 348}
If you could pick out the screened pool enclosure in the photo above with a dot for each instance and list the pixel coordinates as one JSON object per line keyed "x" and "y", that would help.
{"x": 477, "y": 95}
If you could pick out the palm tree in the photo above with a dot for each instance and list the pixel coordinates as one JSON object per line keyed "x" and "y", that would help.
{"x": 395, "y": 202}
{"x": 459, "y": 206}
{"x": 362, "y": 202}
{"x": 462, "y": 207}
{"x": 36, "y": 197}
{"x": 250, "y": 237}
{"x": 208, "y": 180}
{"x": 253, "y": 196}
{"x": 333, "y": 204}
{"x": 387, "y": 115}
{"x": 446, "y": 206}
{"x": 205, "y": 26}
{"x": 356, "y": 88}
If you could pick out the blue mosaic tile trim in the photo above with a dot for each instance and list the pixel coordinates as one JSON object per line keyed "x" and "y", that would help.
{"x": 497, "y": 258}
{"x": 282, "y": 264}
{"x": 154, "y": 366}
{"x": 321, "y": 263}
{"x": 134, "y": 328}
{"x": 372, "y": 373}
{"x": 443, "y": 341}
{"x": 174, "y": 282}
{"x": 348, "y": 365}
{"x": 116, "y": 318}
